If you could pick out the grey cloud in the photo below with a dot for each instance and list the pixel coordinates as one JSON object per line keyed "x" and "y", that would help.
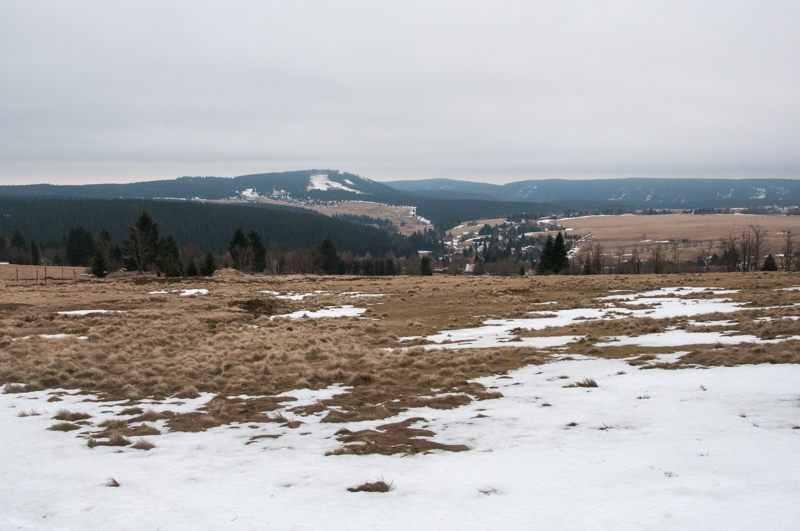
{"x": 496, "y": 91}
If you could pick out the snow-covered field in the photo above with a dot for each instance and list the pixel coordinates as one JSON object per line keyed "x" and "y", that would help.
{"x": 693, "y": 448}
{"x": 650, "y": 449}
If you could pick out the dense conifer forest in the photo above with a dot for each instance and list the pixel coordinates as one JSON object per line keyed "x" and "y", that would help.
{"x": 209, "y": 226}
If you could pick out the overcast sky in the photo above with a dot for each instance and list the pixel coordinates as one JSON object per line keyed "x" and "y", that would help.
{"x": 491, "y": 91}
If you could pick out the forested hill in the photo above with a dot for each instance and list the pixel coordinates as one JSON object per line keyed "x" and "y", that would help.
{"x": 314, "y": 184}
{"x": 604, "y": 193}
{"x": 306, "y": 185}
{"x": 208, "y": 225}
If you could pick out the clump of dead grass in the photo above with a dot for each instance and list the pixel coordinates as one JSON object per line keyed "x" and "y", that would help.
{"x": 143, "y": 444}
{"x": 114, "y": 439}
{"x": 587, "y": 382}
{"x": 70, "y": 416}
{"x": 64, "y": 426}
{"x": 375, "y": 486}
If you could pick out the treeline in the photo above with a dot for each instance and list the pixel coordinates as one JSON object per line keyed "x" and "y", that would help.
{"x": 208, "y": 226}
{"x": 145, "y": 248}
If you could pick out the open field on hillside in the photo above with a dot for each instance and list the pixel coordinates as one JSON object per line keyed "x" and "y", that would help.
{"x": 472, "y": 395}
{"x": 474, "y": 226}
{"x": 402, "y": 216}
{"x": 614, "y": 232}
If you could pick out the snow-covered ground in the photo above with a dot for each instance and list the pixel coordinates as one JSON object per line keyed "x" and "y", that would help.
{"x": 712, "y": 448}
{"x": 322, "y": 182}
{"x": 661, "y": 304}
{"x": 183, "y": 292}
{"x": 331, "y": 311}
{"x": 649, "y": 449}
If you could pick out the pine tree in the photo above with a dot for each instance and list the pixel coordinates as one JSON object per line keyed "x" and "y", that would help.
{"x": 258, "y": 252}
{"x": 238, "y": 249}
{"x": 425, "y": 266}
{"x": 98, "y": 263}
{"x": 770, "y": 264}
{"x": 522, "y": 270}
{"x": 141, "y": 247}
{"x": 191, "y": 268}
{"x": 209, "y": 265}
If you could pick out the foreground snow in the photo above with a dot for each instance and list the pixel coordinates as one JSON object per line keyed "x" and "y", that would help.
{"x": 650, "y": 449}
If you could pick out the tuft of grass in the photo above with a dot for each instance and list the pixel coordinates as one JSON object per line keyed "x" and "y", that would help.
{"x": 148, "y": 416}
{"x": 143, "y": 444}
{"x": 13, "y": 388}
{"x": 29, "y": 413}
{"x": 588, "y": 382}
{"x": 131, "y": 411}
{"x": 145, "y": 429}
{"x": 114, "y": 439}
{"x": 71, "y": 416}
{"x": 64, "y": 426}
{"x": 376, "y": 486}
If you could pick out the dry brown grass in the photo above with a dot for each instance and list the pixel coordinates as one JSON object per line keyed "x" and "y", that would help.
{"x": 64, "y": 426}
{"x": 165, "y": 345}
{"x": 615, "y": 231}
{"x": 28, "y": 273}
{"x": 143, "y": 444}
{"x": 71, "y": 416}
{"x": 391, "y": 439}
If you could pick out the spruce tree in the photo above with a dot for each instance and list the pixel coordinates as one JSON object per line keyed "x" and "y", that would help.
{"x": 209, "y": 265}
{"x": 547, "y": 259}
{"x": 770, "y": 264}
{"x": 560, "y": 257}
{"x": 191, "y": 268}
{"x": 238, "y": 249}
{"x": 141, "y": 247}
{"x": 587, "y": 266}
{"x": 80, "y": 246}
{"x": 98, "y": 263}
{"x": 389, "y": 267}
{"x": 425, "y": 266}
{"x": 258, "y": 252}
{"x": 329, "y": 260}
{"x": 169, "y": 261}
{"x": 478, "y": 267}
{"x": 34, "y": 253}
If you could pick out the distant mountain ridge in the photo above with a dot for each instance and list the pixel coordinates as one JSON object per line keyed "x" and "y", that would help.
{"x": 635, "y": 192}
{"x": 296, "y": 183}
{"x": 333, "y": 185}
